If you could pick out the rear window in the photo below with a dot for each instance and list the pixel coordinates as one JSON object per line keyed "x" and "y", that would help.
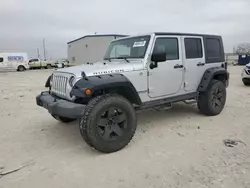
{"x": 213, "y": 48}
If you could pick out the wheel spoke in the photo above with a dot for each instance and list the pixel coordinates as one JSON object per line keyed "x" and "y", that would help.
{"x": 111, "y": 111}
{"x": 102, "y": 121}
{"x": 219, "y": 95}
{"x": 217, "y": 102}
{"x": 120, "y": 118}
{"x": 117, "y": 130}
{"x": 106, "y": 134}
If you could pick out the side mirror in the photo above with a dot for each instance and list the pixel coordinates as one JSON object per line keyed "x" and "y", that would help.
{"x": 159, "y": 57}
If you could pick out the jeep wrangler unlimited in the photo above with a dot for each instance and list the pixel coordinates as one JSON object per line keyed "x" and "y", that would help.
{"x": 138, "y": 72}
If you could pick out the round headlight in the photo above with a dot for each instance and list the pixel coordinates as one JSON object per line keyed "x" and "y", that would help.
{"x": 71, "y": 80}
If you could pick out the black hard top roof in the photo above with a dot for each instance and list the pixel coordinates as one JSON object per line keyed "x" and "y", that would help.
{"x": 187, "y": 34}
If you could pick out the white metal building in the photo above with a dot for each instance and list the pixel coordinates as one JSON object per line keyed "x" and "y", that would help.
{"x": 90, "y": 48}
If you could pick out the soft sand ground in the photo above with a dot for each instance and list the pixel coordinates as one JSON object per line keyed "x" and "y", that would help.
{"x": 168, "y": 149}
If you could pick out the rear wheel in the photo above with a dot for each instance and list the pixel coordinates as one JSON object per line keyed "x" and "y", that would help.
{"x": 63, "y": 119}
{"x": 21, "y": 68}
{"x": 49, "y": 66}
{"x": 212, "y": 101}
{"x": 109, "y": 123}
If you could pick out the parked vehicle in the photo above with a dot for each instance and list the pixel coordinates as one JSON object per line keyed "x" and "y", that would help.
{"x": 138, "y": 72}
{"x": 38, "y": 64}
{"x": 62, "y": 63}
{"x": 243, "y": 59}
{"x": 13, "y": 61}
{"x": 245, "y": 75}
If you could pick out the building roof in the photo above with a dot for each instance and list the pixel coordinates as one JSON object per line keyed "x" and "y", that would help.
{"x": 105, "y": 35}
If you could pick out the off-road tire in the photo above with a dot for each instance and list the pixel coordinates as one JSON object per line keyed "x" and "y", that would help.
{"x": 246, "y": 82}
{"x": 20, "y": 68}
{"x": 212, "y": 101}
{"x": 94, "y": 110}
{"x": 63, "y": 119}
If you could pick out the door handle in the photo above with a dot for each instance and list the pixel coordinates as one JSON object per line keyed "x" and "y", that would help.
{"x": 178, "y": 66}
{"x": 200, "y": 64}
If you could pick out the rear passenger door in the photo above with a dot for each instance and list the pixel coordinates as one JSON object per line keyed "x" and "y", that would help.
{"x": 194, "y": 60}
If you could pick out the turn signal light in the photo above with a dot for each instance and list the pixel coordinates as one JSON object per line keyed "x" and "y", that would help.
{"x": 88, "y": 92}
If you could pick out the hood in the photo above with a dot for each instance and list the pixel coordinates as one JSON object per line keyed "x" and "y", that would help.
{"x": 101, "y": 68}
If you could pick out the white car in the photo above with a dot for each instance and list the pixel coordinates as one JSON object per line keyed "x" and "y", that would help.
{"x": 14, "y": 61}
{"x": 245, "y": 75}
{"x": 138, "y": 72}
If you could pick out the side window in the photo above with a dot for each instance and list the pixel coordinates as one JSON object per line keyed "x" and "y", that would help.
{"x": 193, "y": 48}
{"x": 1, "y": 59}
{"x": 168, "y": 45}
{"x": 213, "y": 47}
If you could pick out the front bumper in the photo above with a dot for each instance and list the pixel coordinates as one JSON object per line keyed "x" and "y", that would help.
{"x": 245, "y": 73}
{"x": 59, "y": 107}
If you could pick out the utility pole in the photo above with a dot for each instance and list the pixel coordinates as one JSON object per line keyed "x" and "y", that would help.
{"x": 38, "y": 53}
{"x": 44, "y": 51}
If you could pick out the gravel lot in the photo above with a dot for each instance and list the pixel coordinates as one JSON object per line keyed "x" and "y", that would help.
{"x": 174, "y": 148}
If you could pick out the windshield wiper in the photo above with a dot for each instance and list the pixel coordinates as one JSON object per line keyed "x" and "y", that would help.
{"x": 109, "y": 59}
{"x": 125, "y": 58}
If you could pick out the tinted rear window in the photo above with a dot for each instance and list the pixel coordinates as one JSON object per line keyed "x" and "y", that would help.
{"x": 213, "y": 47}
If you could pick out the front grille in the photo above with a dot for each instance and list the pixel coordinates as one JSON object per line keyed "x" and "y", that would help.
{"x": 247, "y": 71}
{"x": 59, "y": 85}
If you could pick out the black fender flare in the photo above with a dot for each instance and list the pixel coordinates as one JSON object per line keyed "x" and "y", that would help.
{"x": 108, "y": 82}
{"x": 210, "y": 74}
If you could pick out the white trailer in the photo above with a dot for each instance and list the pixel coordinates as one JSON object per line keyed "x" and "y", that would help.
{"x": 10, "y": 61}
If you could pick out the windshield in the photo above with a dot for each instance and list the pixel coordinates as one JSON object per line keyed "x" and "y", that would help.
{"x": 134, "y": 47}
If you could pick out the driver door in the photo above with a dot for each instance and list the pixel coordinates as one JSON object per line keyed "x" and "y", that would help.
{"x": 167, "y": 78}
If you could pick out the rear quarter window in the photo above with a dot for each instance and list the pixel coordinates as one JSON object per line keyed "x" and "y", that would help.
{"x": 214, "y": 49}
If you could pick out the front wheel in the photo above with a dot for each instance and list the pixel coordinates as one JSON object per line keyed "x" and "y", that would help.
{"x": 109, "y": 123}
{"x": 212, "y": 101}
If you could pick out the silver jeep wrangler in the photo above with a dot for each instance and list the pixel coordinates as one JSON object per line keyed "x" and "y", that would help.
{"x": 138, "y": 72}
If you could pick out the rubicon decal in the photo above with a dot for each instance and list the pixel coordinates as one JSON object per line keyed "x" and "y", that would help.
{"x": 109, "y": 71}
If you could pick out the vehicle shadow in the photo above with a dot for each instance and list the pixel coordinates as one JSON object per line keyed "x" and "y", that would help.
{"x": 68, "y": 135}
